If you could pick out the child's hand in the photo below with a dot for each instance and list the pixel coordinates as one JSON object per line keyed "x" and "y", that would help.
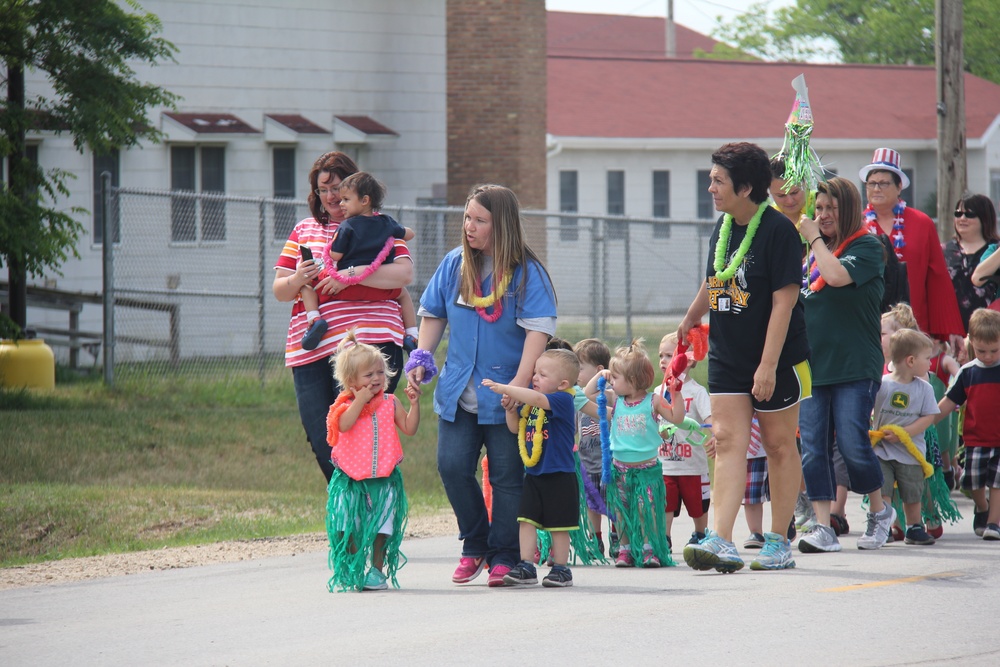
{"x": 412, "y": 393}
{"x": 495, "y": 387}
{"x": 364, "y": 394}
{"x": 890, "y": 437}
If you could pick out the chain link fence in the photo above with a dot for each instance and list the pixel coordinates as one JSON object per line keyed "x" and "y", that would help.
{"x": 193, "y": 273}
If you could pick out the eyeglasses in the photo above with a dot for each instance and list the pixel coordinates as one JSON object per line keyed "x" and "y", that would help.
{"x": 968, "y": 214}
{"x": 878, "y": 185}
{"x": 322, "y": 192}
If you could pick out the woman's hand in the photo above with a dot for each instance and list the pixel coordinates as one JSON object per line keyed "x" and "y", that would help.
{"x": 808, "y": 228}
{"x": 415, "y": 376}
{"x": 763, "y": 382}
{"x": 330, "y": 286}
{"x": 710, "y": 447}
{"x": 305, "y": 272}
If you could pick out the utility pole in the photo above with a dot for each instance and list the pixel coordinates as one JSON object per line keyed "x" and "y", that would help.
{"x": 671, "y": 36}
{"x": 952, "y": 167}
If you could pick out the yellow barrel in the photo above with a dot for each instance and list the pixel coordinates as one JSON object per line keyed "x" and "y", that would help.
{"x": 27, "y": 363}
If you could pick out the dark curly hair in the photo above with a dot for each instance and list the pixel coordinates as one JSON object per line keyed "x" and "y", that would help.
{"x": 748, "y": 166}
{"x": 333, "y": 163}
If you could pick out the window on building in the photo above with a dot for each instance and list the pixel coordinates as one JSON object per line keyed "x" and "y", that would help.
{"x": 569, "y": 203}
{"x": 995, "y": 186}
{"x": 661, "y": 203}
{"x": 198, "y": 169}
{"x": 111, "y": 163}
{"x": 706, "y": 207}
{"x": 616, "y": 202}
{"x": 283, "y": 164}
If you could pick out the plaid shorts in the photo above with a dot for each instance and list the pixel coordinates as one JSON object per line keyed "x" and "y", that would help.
{"x": 758, "y": 490}
{"x": 982, "y": 468}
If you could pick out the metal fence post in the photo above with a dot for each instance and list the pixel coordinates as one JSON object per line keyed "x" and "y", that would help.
{"x": 628, "y": 281}
{"x": 261, "y": 249}
{"x": 107, "y": 255}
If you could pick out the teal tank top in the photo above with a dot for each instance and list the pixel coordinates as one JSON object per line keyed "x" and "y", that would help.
{"x": 634, "y": 433}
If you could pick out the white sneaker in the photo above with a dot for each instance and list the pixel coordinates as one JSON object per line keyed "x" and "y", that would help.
{"x": 877, "y": 531}
{"x": 821, "y": 539}
{"x": 803, "y": 512}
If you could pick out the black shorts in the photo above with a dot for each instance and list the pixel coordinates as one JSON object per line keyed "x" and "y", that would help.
{"x": 791, "y": 386}
{"x": 551, "y": 501}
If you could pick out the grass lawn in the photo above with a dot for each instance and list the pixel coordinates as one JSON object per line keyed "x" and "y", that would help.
{"x": 85, "y": 470}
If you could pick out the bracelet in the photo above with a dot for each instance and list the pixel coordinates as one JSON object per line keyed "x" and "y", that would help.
{"x": 814, "y": 240}
{"x": 422, "y": 359}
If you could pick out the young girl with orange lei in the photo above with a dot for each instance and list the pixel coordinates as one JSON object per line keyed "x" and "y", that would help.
{"x": 367, "y": 507}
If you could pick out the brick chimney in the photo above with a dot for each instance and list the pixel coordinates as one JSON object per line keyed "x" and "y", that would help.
{"x": 497, "y": 101}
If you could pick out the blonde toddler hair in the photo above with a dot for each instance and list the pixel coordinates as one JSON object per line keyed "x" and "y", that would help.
{"x": 632, "y": 363}
{"x": 908, "y": 342}
{"x": 901, "y": 316}
{"x": 569, "y": 364}
{"x": 353, "y": 358}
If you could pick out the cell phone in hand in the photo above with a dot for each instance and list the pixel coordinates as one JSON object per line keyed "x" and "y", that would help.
{"x": 307, "y": 255}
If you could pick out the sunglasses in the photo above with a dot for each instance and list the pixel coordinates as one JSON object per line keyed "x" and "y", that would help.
{"x": 968, "y": 214}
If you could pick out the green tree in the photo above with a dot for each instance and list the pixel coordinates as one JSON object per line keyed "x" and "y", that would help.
{"x": 85, "y": 49}
{"x": 885, "y": 32}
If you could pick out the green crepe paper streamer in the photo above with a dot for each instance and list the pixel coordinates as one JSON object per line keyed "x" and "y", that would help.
{"x": 802, "y": 164}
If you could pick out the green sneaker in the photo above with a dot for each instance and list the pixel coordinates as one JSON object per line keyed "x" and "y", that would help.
{"x": 775, "y": 555}
{"x": 375, "y": 581}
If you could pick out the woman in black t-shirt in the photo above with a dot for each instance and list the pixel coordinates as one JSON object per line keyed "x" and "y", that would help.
{"x": 757, "y": 353}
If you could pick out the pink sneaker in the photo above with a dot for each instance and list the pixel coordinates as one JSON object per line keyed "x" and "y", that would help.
{"x": 497, "y": 573}
{"x": 468, "y": 569}
{"x": 624, "y": 558}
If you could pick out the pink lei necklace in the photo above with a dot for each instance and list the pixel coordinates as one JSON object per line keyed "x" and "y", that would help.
{"x": 898, "y": 241}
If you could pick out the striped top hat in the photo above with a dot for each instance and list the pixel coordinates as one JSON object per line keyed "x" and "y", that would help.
{"x": 885, "y": 159}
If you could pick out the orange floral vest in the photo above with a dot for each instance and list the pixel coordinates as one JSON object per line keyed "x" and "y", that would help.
{"x": 371, "y": 448}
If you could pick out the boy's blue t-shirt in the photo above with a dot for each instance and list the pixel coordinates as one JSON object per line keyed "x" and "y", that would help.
{"x": 559, "y": 431}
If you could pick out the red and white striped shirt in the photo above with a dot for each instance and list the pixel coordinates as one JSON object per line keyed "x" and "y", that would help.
{"x": 374, "y": 321}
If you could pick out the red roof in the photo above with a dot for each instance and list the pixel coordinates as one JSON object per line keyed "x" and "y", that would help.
{"x": 212, "y": 123}
{"x": 367, "y": 124}
{"x": 612, "y": 36}
{"x": 297, "y": 123}
{"x": 645, "y": 98}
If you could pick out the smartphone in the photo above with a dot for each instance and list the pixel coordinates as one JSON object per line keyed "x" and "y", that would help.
{"x": 307, "y": 255}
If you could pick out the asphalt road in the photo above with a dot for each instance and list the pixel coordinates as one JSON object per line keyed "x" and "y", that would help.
{"x": 902, "y": 605}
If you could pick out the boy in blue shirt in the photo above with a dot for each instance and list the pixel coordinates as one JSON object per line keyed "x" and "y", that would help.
{"x": 546, "y": 428}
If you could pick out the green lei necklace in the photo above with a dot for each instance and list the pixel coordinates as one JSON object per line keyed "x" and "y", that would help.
{"x": 723, "y": 272}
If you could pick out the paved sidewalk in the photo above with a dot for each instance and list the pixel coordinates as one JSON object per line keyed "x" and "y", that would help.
{"x": 898, "y": 606}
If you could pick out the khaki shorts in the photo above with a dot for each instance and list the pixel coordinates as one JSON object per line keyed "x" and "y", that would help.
{"x": 909, "y": 477}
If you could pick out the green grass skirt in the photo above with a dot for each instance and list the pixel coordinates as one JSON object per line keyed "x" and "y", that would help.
{"x": 355, "y": 511}
{"x": 637, "y": 499}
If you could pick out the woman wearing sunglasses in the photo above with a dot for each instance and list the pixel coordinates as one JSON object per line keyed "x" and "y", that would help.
{"x": 975, "y": 232}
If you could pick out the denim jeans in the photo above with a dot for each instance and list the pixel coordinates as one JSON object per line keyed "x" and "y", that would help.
{"x": 844, "y": 409}
{"x": 315, "y": 392}
{"x": 459, "y": 445}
